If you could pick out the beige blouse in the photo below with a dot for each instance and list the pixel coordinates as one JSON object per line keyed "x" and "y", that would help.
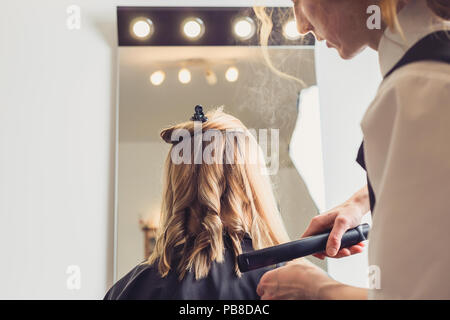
{"x": 407, "y": 151}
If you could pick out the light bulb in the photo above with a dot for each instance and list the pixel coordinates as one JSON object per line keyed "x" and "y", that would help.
{"x": 290, "y": 30}
{"x": 142, "y": 28}
{"x": 244, "y": 28}
{"x": 211, "y": 77}
{"x": 232, "y": 74}
{"x": 193, "y": 28}
{"x": 184, "y": 76}
{"x": 157, "y": 77}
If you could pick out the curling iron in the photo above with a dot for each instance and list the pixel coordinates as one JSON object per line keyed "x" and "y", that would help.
{"x": 300, "y": 248}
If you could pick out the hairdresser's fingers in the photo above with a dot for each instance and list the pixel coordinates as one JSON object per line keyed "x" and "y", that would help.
{"x": 341, "y": 225}
{"x": 348, "y": 252}
{"x": 356, "y": 249}
{"x": 320, "y": 223}
{"x": 320, "y": 256}
{"x": 268, "y": 285}
{"x": 345, "y": 252}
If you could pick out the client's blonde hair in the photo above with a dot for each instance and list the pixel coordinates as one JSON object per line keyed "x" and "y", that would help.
{"x": 202, "y": 202}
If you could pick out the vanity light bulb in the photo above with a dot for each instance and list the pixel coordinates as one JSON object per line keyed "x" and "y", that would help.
{"x": 244, "y": 28}
{"x": 193, "y": 28}
{"x": 290, "y": 30}
{"x": 157, "y": 78}
{"x": 232, "y": 74}
{"x": 211, "y": 77}
{"x": 142, "y": 28}
{"x": 184, "y": 76}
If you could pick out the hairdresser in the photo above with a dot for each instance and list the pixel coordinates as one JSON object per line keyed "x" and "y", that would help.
{"x": 406, "y": 153}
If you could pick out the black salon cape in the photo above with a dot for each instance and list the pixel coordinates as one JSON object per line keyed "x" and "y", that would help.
{"x": 145, "y": 283}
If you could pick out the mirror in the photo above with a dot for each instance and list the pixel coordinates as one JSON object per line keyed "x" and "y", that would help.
{"x": 152, "y": 96}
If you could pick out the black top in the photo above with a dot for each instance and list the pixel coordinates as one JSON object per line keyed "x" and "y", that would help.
{"x": 434, "y": 47}
{"x": 145, "y": 283}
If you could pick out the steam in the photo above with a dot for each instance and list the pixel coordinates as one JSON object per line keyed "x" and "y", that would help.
{"x": 271, "y": 98}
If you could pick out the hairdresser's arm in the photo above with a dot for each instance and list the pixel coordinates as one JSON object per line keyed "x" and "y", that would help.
{"x": 341, "y": 218}
{"x": 303, "y": 280}
{"x": 339, "y": 291}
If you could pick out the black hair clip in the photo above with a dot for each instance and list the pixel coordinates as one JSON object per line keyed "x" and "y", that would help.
{"x": 199, "y": 115}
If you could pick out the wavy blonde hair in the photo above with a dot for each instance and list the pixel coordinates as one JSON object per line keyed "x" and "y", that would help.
{"x": 202, "y": 202}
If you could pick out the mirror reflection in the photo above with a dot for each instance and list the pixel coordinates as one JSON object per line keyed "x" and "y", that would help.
{"x": 159, "y": 86}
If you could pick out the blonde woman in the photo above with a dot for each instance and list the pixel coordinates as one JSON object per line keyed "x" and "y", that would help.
{"x": 214, "y": 207}
{"x": 406, "y": 153}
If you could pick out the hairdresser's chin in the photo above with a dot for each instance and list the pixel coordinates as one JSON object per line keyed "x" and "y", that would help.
{"x": 340, "y": 23}
{"x": 345, "y": 52}
{"x": 348, "y": 46}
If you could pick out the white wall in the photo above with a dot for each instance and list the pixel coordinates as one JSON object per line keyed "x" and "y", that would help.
{"x": 57, "y": 90}
{"x": 305, "y": 148}
{"x": 346, "y": 89}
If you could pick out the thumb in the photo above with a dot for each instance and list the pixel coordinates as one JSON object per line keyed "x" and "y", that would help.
{"x": 334, "y": 240}
{"x": 319, "y": 223}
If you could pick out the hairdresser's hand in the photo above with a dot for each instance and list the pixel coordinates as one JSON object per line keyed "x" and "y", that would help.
{"x": 340, "y": 219}
{"x": 303, "y": 280}
{"x": 295, "y": 281}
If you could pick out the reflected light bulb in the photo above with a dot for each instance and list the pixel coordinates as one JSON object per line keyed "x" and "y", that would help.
{"x": 232, "y": 74}
{"x": 142, "y": 28}
{"x": 193, "y": 28}
{"x": 184, "y": 75}
{"x": 244, "y": 28}
{"x": 290, "y": 30}
{"x": 157, "y": 78}
{"x": 211, "y": 77}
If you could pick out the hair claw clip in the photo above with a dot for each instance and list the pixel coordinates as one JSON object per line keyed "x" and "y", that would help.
{"x": 199, "y": 115}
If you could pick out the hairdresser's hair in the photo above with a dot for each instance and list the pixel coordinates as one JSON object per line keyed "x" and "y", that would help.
{"x": 389, "y": 8}
{"x": 441, "y": 9}
{"x": 264, "y": 30}
{"x": 203, "y": 202}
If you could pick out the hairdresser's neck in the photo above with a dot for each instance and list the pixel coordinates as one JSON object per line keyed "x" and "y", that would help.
{"x": 374, "y": 37}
